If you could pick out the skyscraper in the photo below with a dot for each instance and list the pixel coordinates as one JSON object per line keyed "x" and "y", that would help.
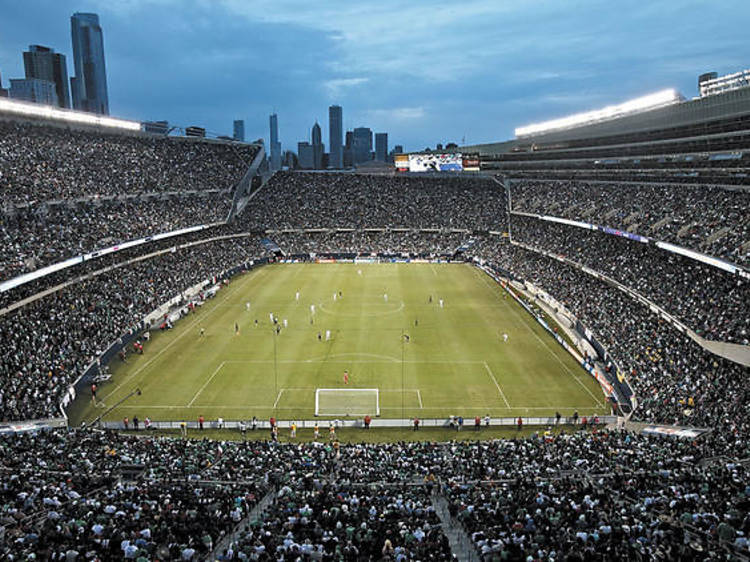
{"x": 239, "y": 130}
{"x": 381, "y": 147}
{"x": 305, "y": 155}
{"x": 89, "y": 86}
{"x": 318, "y": 148}
{"x": 43, "y": 63}
{"x": 275, "y": 144}
{"x": 336, "y": 136}
{"x": 3, "y": 91}
{"x": 33, "y": 90}
{"x": 362, "y": 144}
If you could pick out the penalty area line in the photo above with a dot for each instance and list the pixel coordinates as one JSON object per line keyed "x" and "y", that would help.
{"x": 205, "y": 384}
{"x": 500, "y": 390}
{"x": 278, "y": 398}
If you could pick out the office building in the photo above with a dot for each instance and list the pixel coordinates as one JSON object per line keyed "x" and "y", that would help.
{"x": 33, "y": 90}
{"x": 398, "y": 149}
{"x": 305, "y": 155}
{"x": 239, "y": 130}
{"x": 381, "y": 147}
{"x": 318, "y": 147}
{"x": 43, "y": 63}
{"x": 275, "y": 144}
{"x": 349, "y": 150}
{"x": 361, "y": 144}
{"x": 335, "y": 137}
{"x": 89, "y": 85}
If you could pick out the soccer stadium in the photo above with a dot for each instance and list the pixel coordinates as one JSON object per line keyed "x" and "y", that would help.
{"x": 534, "y": 349}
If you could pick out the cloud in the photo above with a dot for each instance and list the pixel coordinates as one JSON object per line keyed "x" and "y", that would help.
{"x": 394, "y": 114}
{"x": 336, "y": 86}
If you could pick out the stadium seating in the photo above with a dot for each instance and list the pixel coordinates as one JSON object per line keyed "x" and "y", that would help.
{"x": 313, "y": 200}
{"x": 708, "y": 219}
{"x": 597, "y": 496}
{"x": 714, "y": 303}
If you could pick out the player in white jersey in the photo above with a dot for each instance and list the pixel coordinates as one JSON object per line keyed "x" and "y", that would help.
{"x": 328, "y": 335}
{"x": 247, "y": 306}
{"x": 296, "y": 296}
{"x": 285, "y": 323}
{"x": 505, "y": 337}
{"x": 270, "y": 317}
{"x": 385, "y": 297}
{"x": 334, "y": 296}
{"x": 441, "y": 303}
{"x": 312, "y": 309}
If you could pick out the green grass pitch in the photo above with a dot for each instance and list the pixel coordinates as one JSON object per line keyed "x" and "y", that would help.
{"x": 455, "y": 362}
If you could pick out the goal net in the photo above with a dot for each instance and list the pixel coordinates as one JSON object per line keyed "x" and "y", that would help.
{"x": 347, "y": 402}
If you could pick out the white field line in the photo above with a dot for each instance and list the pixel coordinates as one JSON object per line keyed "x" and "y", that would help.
{"x": 175, "y": 340}
{"x": 441, "y": 408}
{"x": 500, "y": 390}
{"x": 419, "y": 397}
{"x": 513, "y": 309}
{"x": 278, "y": 398}
{"x": 205, "y": 384}
{"x": 297, "y": 361}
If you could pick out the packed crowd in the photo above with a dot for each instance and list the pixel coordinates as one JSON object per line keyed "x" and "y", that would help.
{"x": 319, "y": 200}
{"x": 317, "y": 520}
{"x": 44, "y": 162}
{"x": 714, "y": 303}
{"x": 687, "y": 215}
{"x": 675, "y": 380}
{"x": 37, "y": 236}
{"x": 414, "y": 243}
{"x": 87, "y": 494}
{"x": 49, "y": 342}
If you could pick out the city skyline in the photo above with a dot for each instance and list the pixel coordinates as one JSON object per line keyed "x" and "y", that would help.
{"x": 507, "y": 64}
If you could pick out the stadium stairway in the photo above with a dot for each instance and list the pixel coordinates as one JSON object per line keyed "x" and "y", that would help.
{"x": 461, "y": 546}
{"x": 244, "y": 524}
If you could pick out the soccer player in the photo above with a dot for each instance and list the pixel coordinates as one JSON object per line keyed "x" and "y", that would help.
{"x": 320, "y": 336}
{"x": 312, "y": 309}
{"x": 328, "y": 335}
{"x": 247, "y": 306}
{"x": 296, "y": 296}
{"x": 316, "y": 431}
{"x": 505, "y": 337}
{"x": 441, "y": 303}
{"x": 286, "y": 323}
{"x": 293, "y": 430}
{"x": 270, "y": 317}
{"x": 335, "y": 296}
{"x": 236, "y": 329}
{"x": 202, "y": 332}
{"x": 385, "y": 297}
{"x": 346, "y": 377}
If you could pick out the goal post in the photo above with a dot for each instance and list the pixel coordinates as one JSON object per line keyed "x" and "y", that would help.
{"x": 347, "y": 402}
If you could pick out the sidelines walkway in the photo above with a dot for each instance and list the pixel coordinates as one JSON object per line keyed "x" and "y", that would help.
{"x": 255, "y": 514}
{"x": 461, "y": 545}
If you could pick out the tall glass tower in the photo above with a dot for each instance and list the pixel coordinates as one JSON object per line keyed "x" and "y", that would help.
{"x": 89, "y": 85}
{"x": 335, "y": 136}
{"x": 273, "y": 122}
